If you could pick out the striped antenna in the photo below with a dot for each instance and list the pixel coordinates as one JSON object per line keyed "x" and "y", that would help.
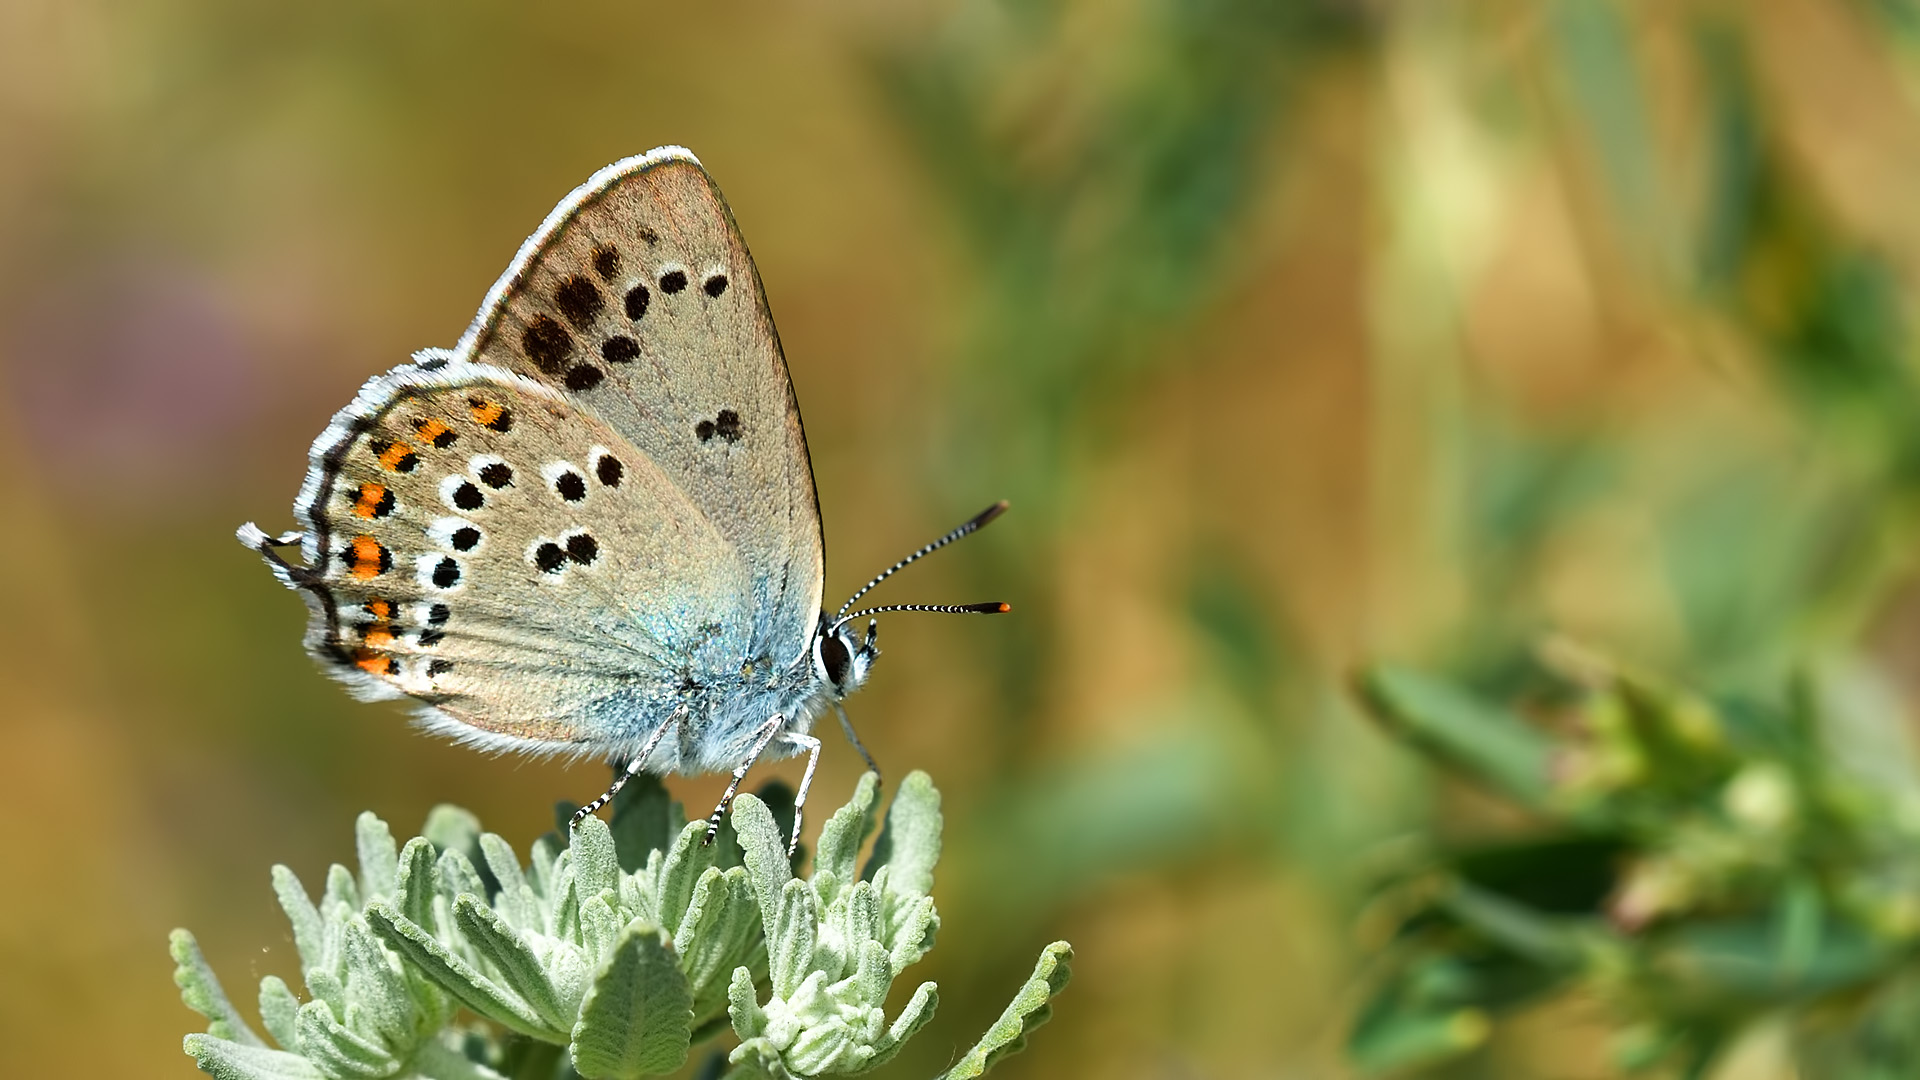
{"x": 991, "y": 608}
{"x": 974, "y": 525}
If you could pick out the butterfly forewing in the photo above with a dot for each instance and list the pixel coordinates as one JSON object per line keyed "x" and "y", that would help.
{"x": 638, "y": 300}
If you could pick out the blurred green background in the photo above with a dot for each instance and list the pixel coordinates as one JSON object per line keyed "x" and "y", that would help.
{"x": 1299, "y": 332}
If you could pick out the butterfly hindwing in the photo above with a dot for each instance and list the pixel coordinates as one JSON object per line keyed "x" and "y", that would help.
{"x": 488, "y": 545}
{"x": 638, "y": 299}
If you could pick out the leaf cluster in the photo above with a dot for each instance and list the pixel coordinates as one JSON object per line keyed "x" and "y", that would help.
{"x": 1700, "y": 866}
{"x": 608, "y": 954}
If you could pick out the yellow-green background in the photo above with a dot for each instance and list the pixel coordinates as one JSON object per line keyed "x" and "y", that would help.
{"x": 1299, "y": 332}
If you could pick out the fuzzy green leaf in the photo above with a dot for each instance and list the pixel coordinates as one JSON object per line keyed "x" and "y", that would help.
{"x": 458, "y": 877}
{"x": 919, "y": 1010}
{"x": 766, "y": 857}
{"x": 743, "y": 1006}
{"x": 379, "y": 866}
{"x": 910, "y": 844}
{"x": 200, "y": 989}
{"x": 636, "y": 1016}
{"x": 338, "y": 1052}
{"x": 721, "y": 932}
{"x": 596, "y": 866}
{"x": 514, "y": 901}
{"x": 278, "y": 1005}
{"x": 493, "y": 938}
{"x": 309, "y": 932}
{"x": 416, "y": 881}
{"x": 791, "y": 940}
{"x": 343, "y": 892}
{"x": 1031, "y": 1007}
{"x": 375, "y": 984}
{"x": 452, "y": 828}
{"x": 834, "y": 865}
{"x": 233, "y": 1061}
{"x": 685, "y": 863}
{"x": 457, "y": 977}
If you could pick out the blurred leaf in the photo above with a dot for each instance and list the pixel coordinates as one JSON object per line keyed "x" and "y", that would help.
{"x": 1484, "y": 740}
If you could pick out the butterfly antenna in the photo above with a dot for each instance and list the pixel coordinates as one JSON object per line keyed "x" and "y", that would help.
{"x": 974, "y": 525}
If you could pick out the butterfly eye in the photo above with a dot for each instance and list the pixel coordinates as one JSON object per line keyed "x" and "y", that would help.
{"x": 834, "y": 659}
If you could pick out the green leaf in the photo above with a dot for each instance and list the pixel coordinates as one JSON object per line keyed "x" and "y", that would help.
{"x": 277, "y": 1008}
{"x": 379, "y": 868}
{"x": 416, "y": 882}
{"x": 766, "y": 856}
{"x": 910, "y": 844}
{"x": 1485, "y": 740}
{"x": 201, "y": 991}
{"x": 791, "y": 940}
{"x": 919, "y": 1010}
{"x": 338, "y": 1052}
{"x": 840, "y": 839}
{"x": 514, "y": 901}
{"x": 721, "y": 932}
{"x": 497, "y": 941}
{"x": 596, "y": 866}
{"x": 743, "y": 1006}
{"x": 1030, "y": 1008}
{"x": 685, "y": 863}
{"x": 457, "y": 977}
{"x": 233, "y": 1061}
{"x": 458, "y": 877}
{"x": 375, "y": 984}
{"x": 636, "y": 1016}
{"x": 452, "y": 828}
{"x": 309, "y": 931}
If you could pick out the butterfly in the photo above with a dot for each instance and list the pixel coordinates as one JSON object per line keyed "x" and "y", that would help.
{"x": 590, "y": 528}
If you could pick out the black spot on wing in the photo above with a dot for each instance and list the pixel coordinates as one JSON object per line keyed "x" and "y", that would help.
{"x": 579, "y": 300}
{"x": 637, "y": 299}
{"x": 673, "y": 281}
{"x": 609, "y": 470}
{"x": 547, "y": 344}
{"x": 582, "y": 548}
{"x": 606, "y": 261}
{"x": 715, "y": 285}
{"x": 619, "y": 349}
{"x": 584, "y": 377}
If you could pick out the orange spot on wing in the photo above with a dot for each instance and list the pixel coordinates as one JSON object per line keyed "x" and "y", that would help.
{"x": 484, "y": 412}
{"x": 374, "y": 664}
{"x": 431, "y": 431}
{"x": 367, "y": 559}
{"x": 396, "y": 456}
{"x": 380, "y": 636}
{"x": 380, "y": 609}
{"x": 368, "y": 502}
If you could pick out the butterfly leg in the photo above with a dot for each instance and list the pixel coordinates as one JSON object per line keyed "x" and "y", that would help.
{"x": 761, "y": 738}
{"x": 812, "y": 746}
{"x": 846, "y": 725}
{"x": 633, "y": 769}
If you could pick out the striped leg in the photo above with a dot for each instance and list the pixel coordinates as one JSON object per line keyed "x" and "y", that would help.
{"x": 812, "y": 746}
{"x": 846, "y": 725}
{"x": 632, "y": 770}
{"x": 761, "y": 738}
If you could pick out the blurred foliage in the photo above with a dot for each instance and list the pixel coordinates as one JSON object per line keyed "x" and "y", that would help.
{"x": 1703, "y": 868}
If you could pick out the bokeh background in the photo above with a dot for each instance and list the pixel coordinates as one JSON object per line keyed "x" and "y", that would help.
{"x": 1299, "y": 332}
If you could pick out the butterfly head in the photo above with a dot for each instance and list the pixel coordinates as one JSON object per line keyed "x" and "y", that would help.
{"x": 841, "y": 659}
